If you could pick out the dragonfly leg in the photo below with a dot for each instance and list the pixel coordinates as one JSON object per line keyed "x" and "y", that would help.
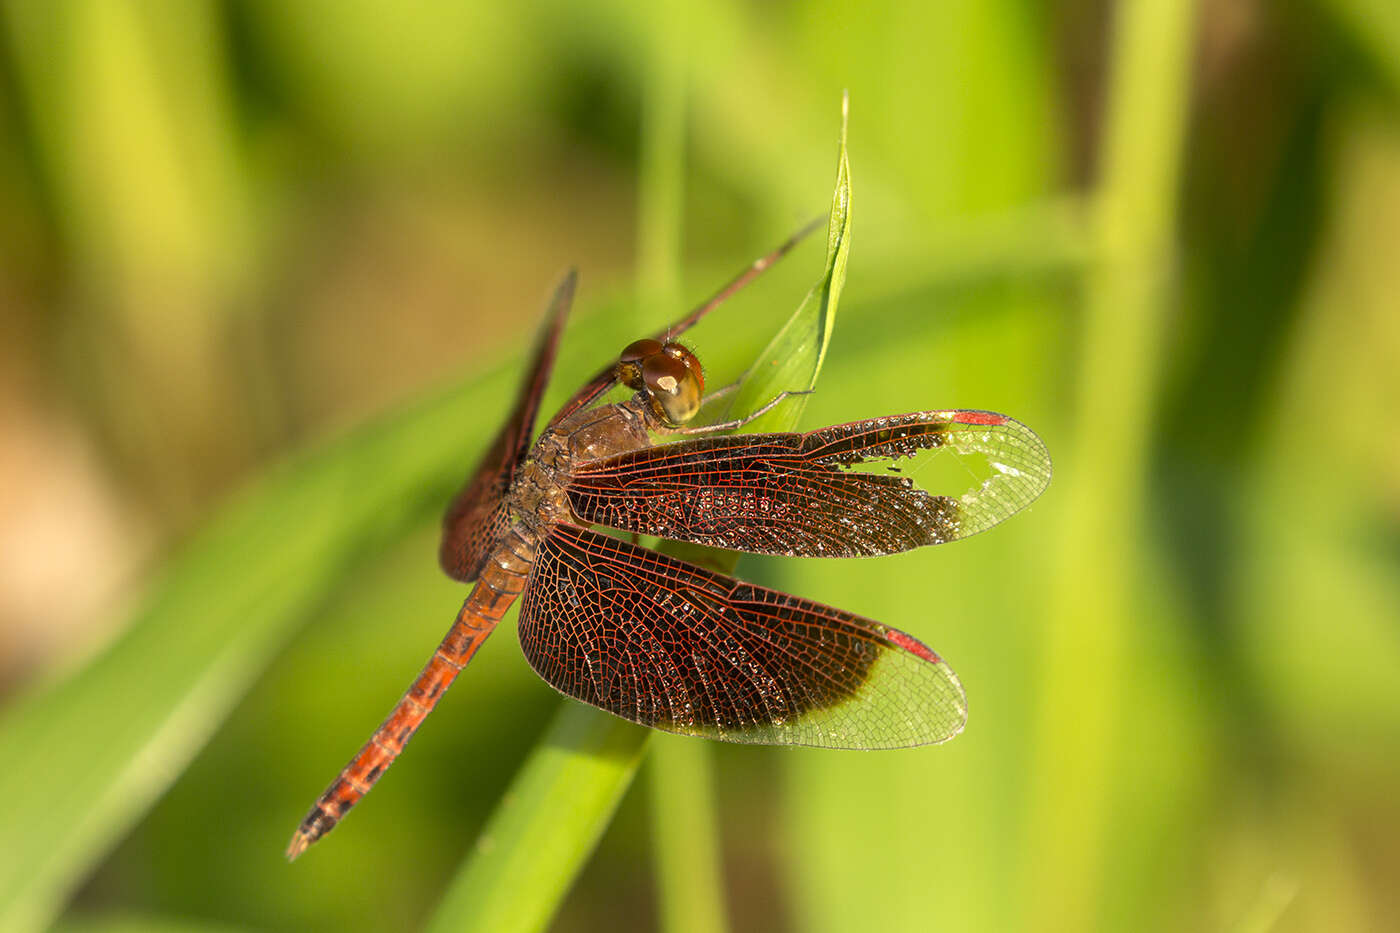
{"x": 737, "y": 423}
{"x": 723, "y": 391}
{"x": 754, "y": 269}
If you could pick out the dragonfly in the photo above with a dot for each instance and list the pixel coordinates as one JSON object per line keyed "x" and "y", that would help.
{"x": 671, "y": 644}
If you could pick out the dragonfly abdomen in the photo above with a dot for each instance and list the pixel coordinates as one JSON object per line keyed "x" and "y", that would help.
{"x": 502, "y": 579}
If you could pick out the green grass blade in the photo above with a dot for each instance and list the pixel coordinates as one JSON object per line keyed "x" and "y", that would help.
{"x": 1088, "y": 630}
{"x": 141, "y": 923}
{"x": 1374, "y": 26}
{"x": 546, "y": 825}
{"x": 794, "y": 357}
{"x": 685, "y": 835}
{"x": 680, "y": 780}
{"x": 85, "y": 757}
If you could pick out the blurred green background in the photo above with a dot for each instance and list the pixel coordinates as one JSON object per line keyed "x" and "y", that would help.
{"x": 267, "y": 273}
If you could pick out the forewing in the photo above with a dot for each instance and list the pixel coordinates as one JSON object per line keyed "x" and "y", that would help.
{"x": 673, "y": 646}
{"x": 477, "y": 515}
{"x": 796, "y": 494}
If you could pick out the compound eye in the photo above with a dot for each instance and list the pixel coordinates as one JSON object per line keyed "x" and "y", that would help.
{"x": 691, "y": 361}
{"x": 629, "y": 361}
{"x": 639, "y": 350}
{"x": 674, "y": 384}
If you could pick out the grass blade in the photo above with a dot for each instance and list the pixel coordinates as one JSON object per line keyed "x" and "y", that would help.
{"x": 685, "y": 839}
{"x": 794, "y": 357}
{"x": 546, "y": 826}
{"x": 1087, "y": 629}
{"x": 86, "y": 756}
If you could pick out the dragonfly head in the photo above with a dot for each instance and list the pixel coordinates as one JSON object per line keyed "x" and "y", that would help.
{"x": 667, "y": 374}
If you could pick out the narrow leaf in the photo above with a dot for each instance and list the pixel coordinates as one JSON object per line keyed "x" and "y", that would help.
{"x": 546, "y": 825}
{"x": 86, "y": 756}
{"x": 790, "y": 362}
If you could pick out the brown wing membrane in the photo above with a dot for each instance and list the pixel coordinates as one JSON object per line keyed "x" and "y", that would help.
{"x": 673, "y": 646}
{"x": 477, "y": 515}
{"x": 794, "y": 494}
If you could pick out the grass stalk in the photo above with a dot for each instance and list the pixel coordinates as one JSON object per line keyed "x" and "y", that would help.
{"x": 1088, "y": 630}
{"x": 546, "y": 826}
{"x": 686, "y": 848}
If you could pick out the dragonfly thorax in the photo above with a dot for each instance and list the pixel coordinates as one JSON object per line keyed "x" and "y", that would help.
{"x": 538, "y": 494}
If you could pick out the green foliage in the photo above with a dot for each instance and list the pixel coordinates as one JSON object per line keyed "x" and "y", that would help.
{"x": 793, "y": 358}
{"x": 89, "y": 753}
{"x": 546, "y": 825}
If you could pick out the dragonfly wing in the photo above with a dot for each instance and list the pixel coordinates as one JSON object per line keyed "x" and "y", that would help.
{"x": 674, "y": 646}
{"x": 477, "y": 515}
{"x": 796, "y": 494}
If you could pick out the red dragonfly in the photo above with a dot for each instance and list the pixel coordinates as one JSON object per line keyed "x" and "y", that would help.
{"x": 670, "y": 644}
